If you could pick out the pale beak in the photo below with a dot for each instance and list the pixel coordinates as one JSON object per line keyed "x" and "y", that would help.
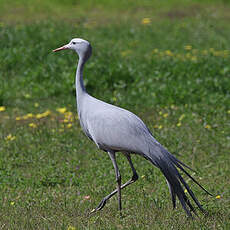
{"x": 61, "y": 48}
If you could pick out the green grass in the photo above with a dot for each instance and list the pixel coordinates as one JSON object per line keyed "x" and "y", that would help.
{"x": 173, "y": 72}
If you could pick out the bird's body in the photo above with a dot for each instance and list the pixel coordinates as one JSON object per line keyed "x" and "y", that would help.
{"x": 114, "y": 129}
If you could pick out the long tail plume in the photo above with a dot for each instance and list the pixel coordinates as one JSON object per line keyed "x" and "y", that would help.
{"x": 168, "y": 165}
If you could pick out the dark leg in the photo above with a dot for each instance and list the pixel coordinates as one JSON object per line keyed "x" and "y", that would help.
{"x": 132, "y": 180}
{"x": 118, "y": 177}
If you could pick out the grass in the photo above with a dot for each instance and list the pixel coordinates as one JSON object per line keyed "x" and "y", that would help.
{"x": 167, "y": 62}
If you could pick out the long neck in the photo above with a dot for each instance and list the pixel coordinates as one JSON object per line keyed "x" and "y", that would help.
{"x": 80, "y": 88}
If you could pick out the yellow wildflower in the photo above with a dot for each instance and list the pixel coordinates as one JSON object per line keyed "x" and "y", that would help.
{"x": 169, "y": 53}
{"x": 36, "y": 104}
{"x": 204, "y": 52}
{"x": 10, "y": 138}
{"x": 18, "y": 118}
{"x": 71, "y": 228}
{"x": 165, "y": 115}
{"x": 228, "y": 111}
{"x": 2, "y": 108}
{"x": 188, "y": 47}
{"x": 27, "y": 95}
{"x": 207, "y": 126}
{"x": 61, "y": 110}
{"x": 69, "y": 125}
{"x": 12, "y": 203}
{"x": 29, "y": 115}
{"x": 69, "y": 116}
{"x": 143, "y": 176}
{"x": 24, "y": 117}
{"x": 39, "y": 116}
{"x": 126, "y": 53}
{"x": 114, "y": 99}
{"x": 178, "y": 124}
{"x": 32, "y": 125}
{"x": 181, "y": 117}
{"x": 185, "y": 190}
{"x": 146, "y": 21}
{"x": 71, "y": 119}
{"x": 194, "y": 58}
{"x": 218, "y": 197}
{"x": 160, "y": 127}
{"x": 45, "y": 114}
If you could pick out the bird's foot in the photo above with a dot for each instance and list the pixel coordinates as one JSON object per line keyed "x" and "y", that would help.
{"x": 100, "y": 206}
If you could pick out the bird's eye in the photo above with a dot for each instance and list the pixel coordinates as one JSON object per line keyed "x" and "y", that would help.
{"x": 74, "y": 43}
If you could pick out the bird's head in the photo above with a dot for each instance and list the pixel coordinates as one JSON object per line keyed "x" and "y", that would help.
{"x": 81, "y": 46}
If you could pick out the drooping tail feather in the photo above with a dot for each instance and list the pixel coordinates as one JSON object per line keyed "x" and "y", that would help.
{"x": 168, "y": 165}
{"x": 179, "y": 163}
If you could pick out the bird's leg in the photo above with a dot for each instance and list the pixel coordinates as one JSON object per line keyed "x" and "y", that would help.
{"x": 132, "y": 180}
{"x": 135, "y": 175}
{"x": 118, "y": 177}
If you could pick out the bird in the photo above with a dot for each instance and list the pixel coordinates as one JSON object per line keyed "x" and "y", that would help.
{"x": 114, "y": 129}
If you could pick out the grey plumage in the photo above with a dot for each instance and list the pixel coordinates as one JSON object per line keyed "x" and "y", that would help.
{"x": 114, "y": 129}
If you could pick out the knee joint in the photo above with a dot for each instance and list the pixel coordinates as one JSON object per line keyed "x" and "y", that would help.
{"x": 135, "y": 177}
{"x": 118, "y": 179}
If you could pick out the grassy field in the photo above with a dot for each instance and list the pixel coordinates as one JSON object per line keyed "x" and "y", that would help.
{"x": 167, "y": 61}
